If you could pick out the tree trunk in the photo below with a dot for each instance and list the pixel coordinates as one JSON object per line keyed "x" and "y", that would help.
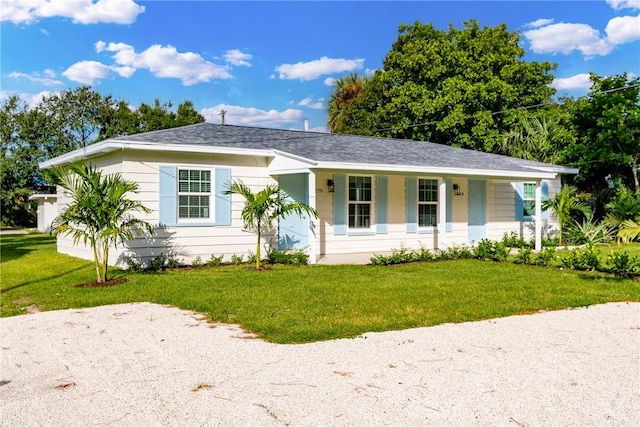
{"x": 258, "y": 250}
{"x": 634, "y": 172}
{"x": 96, "y": 260}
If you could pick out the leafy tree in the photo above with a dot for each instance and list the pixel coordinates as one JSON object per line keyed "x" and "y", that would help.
{"x": 60, "y": 123}
{"x": 565, "y": 204}
{"x": 99, "y": 213}
{"x": 265, "y": 206}
{"x": 607, "y": 126}
{"x": 346, "y": 89}
{"x": 446, "y": 86}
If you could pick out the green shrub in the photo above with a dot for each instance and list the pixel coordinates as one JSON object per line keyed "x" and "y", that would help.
{"x": 156, "y": 263}
{"x": 579, "y": 259}
{"x": 197, "y": 262}
{"x": 545, "y": 256}
{"x": 173, "y": 261}
{"x": 513, "y": 240}
{"x": 524, "y": 256}
{"x": 459, "y": 252}
{"x": 251, "y": 258}
{"x": 215, "y": 261}
{"x": 135, "y": 264}
{"x": 288, "y": 256}
{"x": 621, "y": 264}
{"x": 237, "y": 259}
{"x": 490, "y": 250}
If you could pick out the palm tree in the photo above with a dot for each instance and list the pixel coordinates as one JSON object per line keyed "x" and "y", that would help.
{"x": 345, "y": 91}
{"x": 629, "y": 231}
{"x": 565, "y": 204}
{"x": 534, "y": 138}
{"x": 262, "y": 208}
{"x": 99, "y": 213}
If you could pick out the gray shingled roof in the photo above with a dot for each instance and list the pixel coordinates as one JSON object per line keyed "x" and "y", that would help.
{"x": 326, "y": 147}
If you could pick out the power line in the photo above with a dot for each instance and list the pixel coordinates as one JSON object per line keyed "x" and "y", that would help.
{"x": 495, "y": 113}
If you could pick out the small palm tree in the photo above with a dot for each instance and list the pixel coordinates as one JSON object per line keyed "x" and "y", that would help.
{"x": 99, "y": 213}
{"x": 262, "y": 208}
{"x": 565, "y": 204}
{"x": 629, "y": 231}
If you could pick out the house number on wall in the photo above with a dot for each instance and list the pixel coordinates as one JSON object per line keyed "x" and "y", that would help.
{"x": 319, "y": 190}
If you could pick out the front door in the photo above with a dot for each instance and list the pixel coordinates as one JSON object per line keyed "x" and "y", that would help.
{"x": 293, "y": 230}
{"x": 477, "y": 210}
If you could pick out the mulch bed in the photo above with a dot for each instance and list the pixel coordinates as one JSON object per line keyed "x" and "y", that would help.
{"x": 108, "y": 283}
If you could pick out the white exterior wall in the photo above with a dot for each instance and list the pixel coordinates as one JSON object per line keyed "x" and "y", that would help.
{"x": 185, "y": 242}
{"x": 501, "y": 207}
{"x": 500, "y": 216}
{"x": 189, "y": 242}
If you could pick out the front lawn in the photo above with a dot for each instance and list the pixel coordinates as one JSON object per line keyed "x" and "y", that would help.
{"x": 289, "y": 304}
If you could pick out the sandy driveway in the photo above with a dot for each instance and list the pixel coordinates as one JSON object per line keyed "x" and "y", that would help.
{"x": 145, "y": 364}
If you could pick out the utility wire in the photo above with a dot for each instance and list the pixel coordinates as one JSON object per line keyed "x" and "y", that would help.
{"x": 495, "y": 113}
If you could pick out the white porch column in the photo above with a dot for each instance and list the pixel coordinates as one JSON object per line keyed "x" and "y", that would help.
{"x": 442, "y": 214}
{"x": 538, "y": 216}
{"x": 313, "y": 222}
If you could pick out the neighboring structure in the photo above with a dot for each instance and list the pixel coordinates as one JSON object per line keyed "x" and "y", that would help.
{"x": 372, "y": 194}
{"x": 47, "y": 210}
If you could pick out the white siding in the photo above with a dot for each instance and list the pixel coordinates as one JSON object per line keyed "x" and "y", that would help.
{"x": 189, "y": 242}
{"x": 185, "y": 242}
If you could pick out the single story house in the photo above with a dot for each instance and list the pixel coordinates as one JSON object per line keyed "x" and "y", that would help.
{"x": 372, "y": 194}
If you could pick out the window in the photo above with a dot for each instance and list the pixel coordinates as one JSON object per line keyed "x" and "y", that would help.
{"x": 194, "y": 194}
{"x": 360, "y": 201}
{"x": 427, "y": 202}
{"x": 529, "y": 199}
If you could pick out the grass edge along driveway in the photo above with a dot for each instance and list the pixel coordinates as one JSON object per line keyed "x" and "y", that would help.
{"x": 297, "y": 304}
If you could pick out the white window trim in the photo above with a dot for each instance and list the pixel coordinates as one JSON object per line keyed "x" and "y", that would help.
{"x": 531, "y": 199}
{"x": 428, "y": 228}
{"x": 211, "y": 218}
{"x": 371, "y": 203}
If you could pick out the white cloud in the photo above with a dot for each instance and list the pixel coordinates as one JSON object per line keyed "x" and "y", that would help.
{"x": 568, "y": 37}
{"x": 579, "y": 81}
{"x": 312, "y": 70}
{"x": 539, "y": 23}
{"x": 624, "y": 4}
{"x": 308, "y": 102}
{"x": 164, "y": 62}
{"x": 87, "y": 72}
{"x": 30, "y": 99}
{"x": 237, "y": 58}
{"x": 565, "y": 38}
{"x": 80, "y": 11}
{"x": 48, "y": 77}
{"x": 623, "y": 29}
{"x": 249, "y": 116}
{"x": 330, "y": 81}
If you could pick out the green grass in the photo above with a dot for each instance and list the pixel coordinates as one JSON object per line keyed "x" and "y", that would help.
{"x": 290, "y": 304}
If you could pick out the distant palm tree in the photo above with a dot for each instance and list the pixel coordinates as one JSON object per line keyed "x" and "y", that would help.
{"x": 262, "y": 208}
{"x": 99, "y": 212}
{"x": 532, "y": 139}
{"x": 346, "y": 89}
{"x": 564, "y": 204}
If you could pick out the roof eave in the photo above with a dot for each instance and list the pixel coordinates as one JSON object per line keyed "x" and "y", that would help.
{"x": 112, "y": 145}
{"x": 437, "y": 170}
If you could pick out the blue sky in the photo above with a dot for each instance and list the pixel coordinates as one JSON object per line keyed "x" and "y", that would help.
{"x": 272, "y": 64}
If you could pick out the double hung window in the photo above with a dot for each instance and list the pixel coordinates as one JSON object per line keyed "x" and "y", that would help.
{"x": 194, "y": 194}
{"x": 360, "y": 194}
{"x": 529, "y": 199}
{"x": 427, "y": 202}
